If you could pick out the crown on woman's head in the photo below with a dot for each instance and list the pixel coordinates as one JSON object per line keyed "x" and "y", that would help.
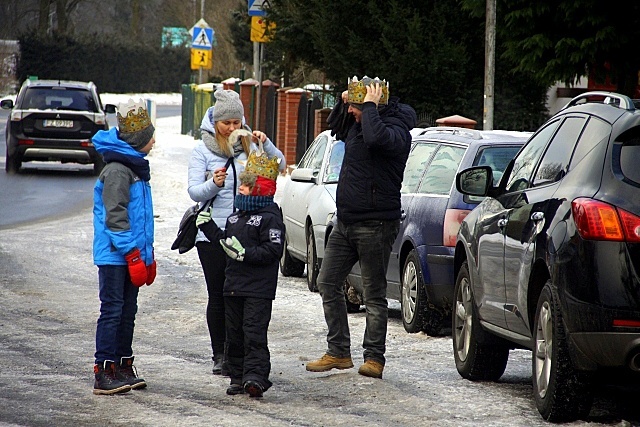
{"x": 357, "y": 90}
{"x": 132, "y": 116}
{"x": 260, "y": 164}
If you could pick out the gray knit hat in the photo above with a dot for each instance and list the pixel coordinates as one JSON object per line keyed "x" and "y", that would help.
{"x": 227, "y": 106}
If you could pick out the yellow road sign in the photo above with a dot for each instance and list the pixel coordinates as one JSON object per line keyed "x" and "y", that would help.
{"x": 259, "y": 29}
{"x": 201, "y": 58}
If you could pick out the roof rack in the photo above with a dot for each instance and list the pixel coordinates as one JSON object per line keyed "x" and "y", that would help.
{"x": 610, "y": 98}
{"x": 473, "y": 133}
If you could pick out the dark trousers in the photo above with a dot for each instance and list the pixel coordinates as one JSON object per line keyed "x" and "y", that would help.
{"x": 247, "y": 348}
{"x": 214, "y": 261}
{"x": 370, "y": 243}
{"x": 118, "y": 308}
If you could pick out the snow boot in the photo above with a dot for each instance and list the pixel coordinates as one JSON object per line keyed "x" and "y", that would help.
{"x": 328, "y": 362}
{"x": 128, "y": 374}
{"x": 371, "y": 368}
{"x": 106, "y": 381}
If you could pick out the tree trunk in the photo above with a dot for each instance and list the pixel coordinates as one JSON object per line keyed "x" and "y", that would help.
{"x": 61, "y": 14}
{"x": 43, "y": 17}
{"x": 135, "y": 19}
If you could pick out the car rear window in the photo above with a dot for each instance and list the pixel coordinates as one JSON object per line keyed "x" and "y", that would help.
{"x": 629, "y": 155}
{"x": 41, "y": 98}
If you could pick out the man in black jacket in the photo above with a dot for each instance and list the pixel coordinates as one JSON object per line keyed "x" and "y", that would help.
{"x": 377, "y": 144}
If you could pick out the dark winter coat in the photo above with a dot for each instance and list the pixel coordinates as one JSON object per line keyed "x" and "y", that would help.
{"x": 375, "y": 155}
{"x": 261, "y": 233}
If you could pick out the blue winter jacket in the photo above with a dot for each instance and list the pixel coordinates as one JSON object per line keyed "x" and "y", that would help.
{"x": 122, "y": 207}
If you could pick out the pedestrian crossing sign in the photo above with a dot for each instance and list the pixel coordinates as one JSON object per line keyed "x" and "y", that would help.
{"x": 201, "y": 58}
{"x": 202, "y": 38}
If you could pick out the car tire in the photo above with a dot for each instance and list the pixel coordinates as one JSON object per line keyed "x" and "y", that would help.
{"x": 98, "y": 165}
{"x": 289, "y": 266}
{"x": 12, "y": 164}
{"x": 352, "y": 298}
{"x": 478, "y": 355}
{"x": 562, "y": 393}
{"x": 312, "y": 261}
{"x": 418, "y": 313}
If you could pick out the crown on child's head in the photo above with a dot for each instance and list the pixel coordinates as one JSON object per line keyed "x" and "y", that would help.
{"x": 132, "y": 116}
{"x": 260, "y": 164}
{"x": 357, "y": 90}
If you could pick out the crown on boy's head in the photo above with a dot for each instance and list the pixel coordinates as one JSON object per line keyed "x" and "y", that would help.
{"x": 260, "y": 164}
{"x": 357, "y": 90}
{"x": 132, "y": 116}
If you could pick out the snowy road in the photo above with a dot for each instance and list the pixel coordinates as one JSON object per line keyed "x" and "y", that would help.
{"x": 49, "y": 305}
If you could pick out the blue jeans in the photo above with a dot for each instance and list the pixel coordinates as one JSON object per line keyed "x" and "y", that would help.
{"x": 118, "y": 308}
{"x": 370, "y": 243}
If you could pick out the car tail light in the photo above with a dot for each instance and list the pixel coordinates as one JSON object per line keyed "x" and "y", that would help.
{"x": 598, "y": 220}
{"x": 26, "y": 142}
{"x": 626, "y": 323}
{"x": 86, "y": 143}
{"x": 452, "y": 220}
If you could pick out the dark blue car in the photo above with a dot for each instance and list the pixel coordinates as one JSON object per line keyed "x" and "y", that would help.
{"x": 420, "y": 272}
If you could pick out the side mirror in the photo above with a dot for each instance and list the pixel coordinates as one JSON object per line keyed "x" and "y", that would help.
{"x": 476, "y": 181}
{"x": 304, "y": 175}
{"x": 6, "y": 104}
{"x": 109, "y": 108}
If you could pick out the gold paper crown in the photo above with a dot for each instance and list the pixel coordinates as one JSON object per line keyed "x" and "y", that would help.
{"x": 357, "y": 90}
{"x": 136, "y": 117}
{"x": 261, "y": 165}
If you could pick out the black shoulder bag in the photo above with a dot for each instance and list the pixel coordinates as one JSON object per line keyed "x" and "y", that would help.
{"x": 187, "y": 230}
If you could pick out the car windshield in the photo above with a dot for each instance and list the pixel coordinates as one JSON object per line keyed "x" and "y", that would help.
{"x": 332, "y": 171}
{"x": 46, "y": 98}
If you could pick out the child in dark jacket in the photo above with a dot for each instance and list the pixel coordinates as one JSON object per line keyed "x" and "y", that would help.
{"x": 252, "y": 239}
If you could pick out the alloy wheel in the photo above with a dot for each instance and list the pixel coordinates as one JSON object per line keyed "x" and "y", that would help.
{"x": 409, "y": 292}
{"x": 543, "y": 351}
{"x": 463, "y": 320}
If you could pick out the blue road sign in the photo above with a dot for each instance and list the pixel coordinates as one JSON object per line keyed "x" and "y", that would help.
{"x": 202, "y": 38}
{"x": 258, "y": 7}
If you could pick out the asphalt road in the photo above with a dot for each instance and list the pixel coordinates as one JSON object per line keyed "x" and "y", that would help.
{"x": 48, "y": 189}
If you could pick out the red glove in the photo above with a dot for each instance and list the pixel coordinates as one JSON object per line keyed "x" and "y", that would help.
{"x": 151, "y": 272}
{"x": 137, "y": 269}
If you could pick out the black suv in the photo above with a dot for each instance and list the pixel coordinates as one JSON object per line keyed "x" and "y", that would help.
{"x": 550, "y": 260}
{"x": 54, "y": 120}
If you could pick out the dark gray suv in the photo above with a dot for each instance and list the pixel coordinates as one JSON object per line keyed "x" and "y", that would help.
{"x": 54, "y": 120}
{"x": 550, "y": 260}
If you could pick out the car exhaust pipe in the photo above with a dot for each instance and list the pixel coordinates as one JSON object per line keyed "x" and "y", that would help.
{"x": 634, "y": 361}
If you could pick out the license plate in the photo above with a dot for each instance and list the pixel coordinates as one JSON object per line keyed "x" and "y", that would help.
{"x": 57, "y": 123}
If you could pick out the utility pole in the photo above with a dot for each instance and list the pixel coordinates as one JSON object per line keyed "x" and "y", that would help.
{"x": 489, "y": 63}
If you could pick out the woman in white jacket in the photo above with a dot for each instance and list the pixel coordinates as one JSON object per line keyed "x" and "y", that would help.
{"x": 209, "y": 178}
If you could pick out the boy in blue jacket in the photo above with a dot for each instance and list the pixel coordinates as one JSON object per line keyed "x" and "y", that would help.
{"x": 252, "y": 239}
{"x": 122, "y": 243}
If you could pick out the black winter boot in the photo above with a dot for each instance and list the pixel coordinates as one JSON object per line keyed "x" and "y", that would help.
{"x": 128, "y": 374}
{"x": 106, "y": 380}
{"x": 217, "y": 364}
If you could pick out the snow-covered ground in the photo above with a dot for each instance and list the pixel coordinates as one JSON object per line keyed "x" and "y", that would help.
{"x": 49, "y": 305}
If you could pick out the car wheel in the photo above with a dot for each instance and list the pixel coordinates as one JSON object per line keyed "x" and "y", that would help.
{"x": 561, "y": 393}
{"x": 98, "y": 165}
{"x": 352, "y": 298}
{"x": 477, "y": 355}
{"x": 289, "y": 266}
{"x": 413, "y": 298}
{"x": 312, "y": 261}
{"x": 418, "y": 314}
{"x": 12, "y": 163}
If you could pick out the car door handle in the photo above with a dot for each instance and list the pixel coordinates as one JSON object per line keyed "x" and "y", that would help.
{"x": 502, "y": 223}
{"x": 537, "y": 216}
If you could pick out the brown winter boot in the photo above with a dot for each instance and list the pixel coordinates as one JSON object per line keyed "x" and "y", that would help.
{"x": 371, "y": 368}
{"x": 327, "y": 362}
{"x": 128, "y": 374}
{"x": 106, "y": 381}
